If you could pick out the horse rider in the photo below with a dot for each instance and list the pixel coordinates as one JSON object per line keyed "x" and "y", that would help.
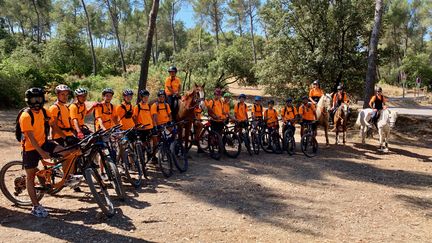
{"x": 377, "y": 103}
{"x": 316, "y": 92}
{"x": 339, "y": 98}
{"x": 172, "y": 87}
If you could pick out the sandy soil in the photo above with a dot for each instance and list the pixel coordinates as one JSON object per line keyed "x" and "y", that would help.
{"x": 347, "y": 194}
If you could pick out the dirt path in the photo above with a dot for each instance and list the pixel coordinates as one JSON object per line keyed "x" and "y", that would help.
{"x": 349, "y": 193}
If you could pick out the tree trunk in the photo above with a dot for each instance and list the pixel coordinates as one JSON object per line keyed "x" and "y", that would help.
{"x": 373, "y": 46}
{"x": 115, "y": 29}
{"x": 147, "y": 52}
{"x": 38, "y": 38}
{"x": 216, "y": 21}
{"x": 90, "y": 37}
{"x": 173, "y": 27}
{"x": 252, "y": 32}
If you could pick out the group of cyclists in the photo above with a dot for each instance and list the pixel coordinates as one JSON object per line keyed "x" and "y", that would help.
{"x": 67, "y": 121}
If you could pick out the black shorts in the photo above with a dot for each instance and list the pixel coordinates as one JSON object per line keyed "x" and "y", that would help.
{"x": 85, "y": 130}
{"x": 145, "y": 135}
{"x": 31, "y": 158}
{"x": 216, "y": 126}
{"x": 306, "y": 122}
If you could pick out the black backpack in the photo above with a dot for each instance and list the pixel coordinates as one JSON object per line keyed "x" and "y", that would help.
{"x": 128, "y": 113}
{"x": 18, "y": 132}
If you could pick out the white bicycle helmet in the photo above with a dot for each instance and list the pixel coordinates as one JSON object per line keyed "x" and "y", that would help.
{"x": 80, "y": 91}
{"x": 62, "y": 87}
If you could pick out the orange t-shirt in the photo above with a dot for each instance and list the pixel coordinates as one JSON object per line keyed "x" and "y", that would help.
{"x": 338, "y": 96}
{"x": 271, "y": 116}
{"x": 240, "y": 111}
{"x": 78, "y": 111}
{"x": 174, "y": 84}
{"x": 124, "y": 114}
{"x": 289, "y": 113}
{"x": 316, "y": 92}
{"x": 38, "y": 128}
{"x": 142, "y": 114}
{"x": 106, "y": 112}
{"x": 257, "y": 110}
{"x": 198, "y": 113}
{"x": 308, "y": 113}
{"x": 217, "y": 107}
{"x": 162, "y": 110}
{"x": 64, "y": 123}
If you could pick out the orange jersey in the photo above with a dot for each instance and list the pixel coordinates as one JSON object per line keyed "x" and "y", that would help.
{"x": 316, "y": 92}
{"x": 38, "y": 128}
{"x": 78, "y": 112}
{"x": 217, "y": 107}
{"x": 240, "y": 111}
{"x": 61, "y": 111}
{"x": 271, "y": 116}
{"x": 124, "y": 114}
{"x": 142, "y": 114}
{"x": 106, "y": 112}
{"x": 257, "y": 110}
{"x": 307, "y": 113}
{"x": 162, "y": 112}
{"x": 340, "y": 97}
{"x": 174, "y": 84}
{"x": 289, "y": 112}
{"x": 198, "y": 113}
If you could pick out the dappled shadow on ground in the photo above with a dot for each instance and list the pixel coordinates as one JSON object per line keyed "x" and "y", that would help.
{"x": 422, "y": 204}
{"x": 60, "y": 225}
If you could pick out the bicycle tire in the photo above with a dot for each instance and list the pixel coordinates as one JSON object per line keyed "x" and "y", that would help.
{"x": 276, "y": 142}
{"x": 115, "y": 178}
{"x": 247, "y": 142}
{"x": 289, "y": 142}
{"x": 180, "y": 156}
{"x": 255, "y": 143}
{"x": 215, "y": 145}
{"x": 4, "y": 188}
{"x": 309, "y": 142}
{"x": 165, "y": 163}
{"x": 266, "y": 142}
{"x": 203, "y": 142}
{"x": 133, "y": 160}
{"x": 233, "y": 141}
{"x": 102, "y": 198}
{"x": 142, "y": 154}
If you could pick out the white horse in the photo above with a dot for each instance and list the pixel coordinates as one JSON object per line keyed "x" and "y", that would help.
{"x": 386, "y": 121}
{"x": 322, "y": 113}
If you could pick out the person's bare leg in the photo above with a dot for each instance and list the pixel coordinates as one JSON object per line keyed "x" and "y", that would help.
{"x": 31, "y": 174}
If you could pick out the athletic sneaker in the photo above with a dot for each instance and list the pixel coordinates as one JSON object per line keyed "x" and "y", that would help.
{"x": 39, "y": 211}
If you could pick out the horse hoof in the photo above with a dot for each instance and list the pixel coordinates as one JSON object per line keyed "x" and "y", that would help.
{"x": 386, "y": 150}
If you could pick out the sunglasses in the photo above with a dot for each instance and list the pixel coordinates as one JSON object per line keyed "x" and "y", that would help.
{"x": 35, "y": 100}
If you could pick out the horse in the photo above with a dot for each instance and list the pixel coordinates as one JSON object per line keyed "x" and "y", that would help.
{"x": 341, "y": 120}
{"x": 386, "y": 121}
{"x": 322, "y": 114}
{"x": 186, "y": 114}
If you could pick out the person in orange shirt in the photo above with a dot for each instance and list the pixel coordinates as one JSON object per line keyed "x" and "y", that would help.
{"x": 172, "y": 87}
{"x": 197, "y": 124}
{"x": 257, "y": 109}
{"x": 124, "y": 111}
{"x": 241, "y": 113}
{"x": 104, "y": 111}
{"x": 216, "y": 112}
{"x": 160, "y": 110}
{"x": 339, "y": 98}
{"x": 144, "y": 122}
{"x": 78, "y": 112}
{"x": 35, "y": 123}
{"x": 307, "y": 112}
{"x": 377, "y": 103}
{"x": 315, "y": 93}
{"x": 289, "y": 114}
{"x": 63, "y": 130}
{"x": 271, "y": 116}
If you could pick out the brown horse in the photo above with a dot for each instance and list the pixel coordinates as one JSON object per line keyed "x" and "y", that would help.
{"x": 341, "y": 120}
{"x": 322, "y": 113}
{"x": 186, "y": 113}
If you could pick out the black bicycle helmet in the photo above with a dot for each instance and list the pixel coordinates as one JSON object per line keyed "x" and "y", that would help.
{"x": 161, "y": 92}
{"x": 144, "y": 93}
{"x": 379, "y": 89}
{"x": 107, "y": 91}
{"x": 271, "y": 102}
{"x": 35, "y": 97}
{"x": 127, "y": 92}
{"x": 242, "y": 96}
{"x": 172, "y": 69}
{"x": 289, "y": 100}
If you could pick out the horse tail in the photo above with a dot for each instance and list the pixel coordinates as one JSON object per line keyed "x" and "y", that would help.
{"x": 358, "y": 122}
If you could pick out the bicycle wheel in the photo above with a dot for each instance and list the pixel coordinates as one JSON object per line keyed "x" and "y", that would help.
{"x": 142, "y": 154}
{"x": 180, "y": 155}
{"x": 309, "y": 145}
{"x": 289, "y": 142}
{"x": 115, "y": 178}
{"x": 203, "y": 142}
{"x": 255, "y": 143}
{"x": 215, "y": 145}
{"x": 13, "y": 184}
{"x": 266, "y": 144}
{"x": 99, "y": 191}
{"x": 165, "y": 161}
{"x": 232, "y": 144}
{"x": 191, "y": 140}
{"x": 247, "y": 142}
{"x": 132, "y": 167}
{"x": 276, "y": 143}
